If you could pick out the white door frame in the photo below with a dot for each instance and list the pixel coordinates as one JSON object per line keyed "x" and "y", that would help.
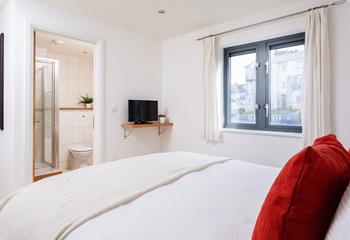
{"x": 99, "y": 88}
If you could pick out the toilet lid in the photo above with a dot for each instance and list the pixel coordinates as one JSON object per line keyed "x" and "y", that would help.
{"x": 80, "y": 148}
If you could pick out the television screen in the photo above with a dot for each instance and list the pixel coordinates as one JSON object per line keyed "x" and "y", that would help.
{"x": 143, "y": 111}
{"x": 1, "y": 81}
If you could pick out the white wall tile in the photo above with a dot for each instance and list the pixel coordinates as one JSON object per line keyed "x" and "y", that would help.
{"x": 78, "y": 135}
{"x": 66, "y": 119}
{"x": 63, "y": 69}
{"x": 88, "y": 122}
{"x": 74, "y": 86}
{"x": 62, "y": 98}
{"x": 85, "y": 61}
{"x": 88, "y": 135}
{"x": 72, "y": 99}
{"x": 78, "y": 119}
{"x": 66, "y": 136}
{"x": 63, "y": 153}
{"x": 73, "y": 60}
{"x": 63, "y": 85}
{"x": 84, "y": 87}
{"x": 84, "y": 72}
{"x": 91, "y": 88}
{"x": 62, "y": 58}
{"x": 73, "y": 71}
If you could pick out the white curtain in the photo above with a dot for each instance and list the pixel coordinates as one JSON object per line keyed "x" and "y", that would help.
{"x": 317, "y": 92}
{"x": 211, "y": 131}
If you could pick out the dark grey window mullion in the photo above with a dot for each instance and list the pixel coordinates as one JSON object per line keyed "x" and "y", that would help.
{"x": 261, "y": 86}
{"x": 227, "y": 89}
{"x": 268, "y": 68}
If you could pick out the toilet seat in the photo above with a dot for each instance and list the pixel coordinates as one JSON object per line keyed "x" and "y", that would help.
{"x": 79, "y": 156}
{"x": 80, "y": 148}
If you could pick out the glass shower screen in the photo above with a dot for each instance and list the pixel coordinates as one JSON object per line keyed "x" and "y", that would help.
{"x": 46, "y": 116}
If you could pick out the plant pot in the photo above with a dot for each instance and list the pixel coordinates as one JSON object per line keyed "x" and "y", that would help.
{"x": 87, "y": 105}
{"x": 162, "y": 120}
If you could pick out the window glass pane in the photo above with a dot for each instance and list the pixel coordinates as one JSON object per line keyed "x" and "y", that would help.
{"x": 287, "y": 74}
{"x": 243, "y": 88}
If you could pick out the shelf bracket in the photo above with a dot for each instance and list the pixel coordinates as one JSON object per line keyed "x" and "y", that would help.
{"x": 160, "y": 130}
{"x": 127, "y": 133}
{"x": 128, "y": 127}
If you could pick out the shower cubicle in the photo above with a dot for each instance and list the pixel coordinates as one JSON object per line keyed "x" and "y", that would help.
{"x": 46, "y": 116}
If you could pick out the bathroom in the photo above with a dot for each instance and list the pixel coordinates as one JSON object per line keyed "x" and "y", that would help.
{"x": 63, "y": 106}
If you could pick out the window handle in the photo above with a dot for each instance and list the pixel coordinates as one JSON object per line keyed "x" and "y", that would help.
{"x": 257, "y": 106}
{"x": 266, "y": 106}
{"x": 267, "y": 66}
{"x": 257, "y": 64}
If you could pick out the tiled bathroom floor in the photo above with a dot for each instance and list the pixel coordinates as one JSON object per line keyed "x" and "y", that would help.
{"x": 41, "y": 168}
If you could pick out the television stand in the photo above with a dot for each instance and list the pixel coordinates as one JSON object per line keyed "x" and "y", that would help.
{"x": 128, "y": 127}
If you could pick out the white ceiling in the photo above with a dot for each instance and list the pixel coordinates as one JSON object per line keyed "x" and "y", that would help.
{"x": 182, "y": 15}
{"x": 70, "y": 47}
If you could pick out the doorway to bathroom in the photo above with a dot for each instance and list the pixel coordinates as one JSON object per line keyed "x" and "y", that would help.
{"x": 63, "y": 111}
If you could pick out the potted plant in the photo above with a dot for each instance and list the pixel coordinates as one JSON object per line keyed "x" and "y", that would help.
{"x": 86, "y": 101}
{"x": 162, "y": 118}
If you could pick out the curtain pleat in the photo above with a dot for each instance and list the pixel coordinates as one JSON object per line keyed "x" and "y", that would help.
{"x": 211, "y": 131}
{"x": 317, "y": 90}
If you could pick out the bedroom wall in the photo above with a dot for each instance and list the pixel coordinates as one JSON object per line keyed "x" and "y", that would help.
{"x": 7, "y": 136}
{"x": 339, "y": 20}
{"x": 182, "y": 73}
{"x": 132, "y": 70}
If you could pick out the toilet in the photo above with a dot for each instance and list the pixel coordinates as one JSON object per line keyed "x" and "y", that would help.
{"x": 79, "y": 156}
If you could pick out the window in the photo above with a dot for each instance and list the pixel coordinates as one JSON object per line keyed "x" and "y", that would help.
{"x": 262, "y": 84}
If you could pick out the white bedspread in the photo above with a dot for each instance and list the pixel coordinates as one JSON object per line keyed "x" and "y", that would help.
{"x": 52, "y": 208}
{"x": 218, "y": 203}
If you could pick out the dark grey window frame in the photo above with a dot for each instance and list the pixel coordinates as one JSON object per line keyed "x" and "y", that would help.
{"x": 262, "y": 50}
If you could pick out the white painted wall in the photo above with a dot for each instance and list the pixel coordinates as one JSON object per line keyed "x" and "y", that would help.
{"x": 339, "y": 20}
{"x": 182, "y": 92}
{"x": 7, "y": 178}
{"x": 132, "y": 70}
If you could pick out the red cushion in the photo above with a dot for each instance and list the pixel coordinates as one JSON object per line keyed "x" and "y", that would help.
{"x": 306, "y": 193}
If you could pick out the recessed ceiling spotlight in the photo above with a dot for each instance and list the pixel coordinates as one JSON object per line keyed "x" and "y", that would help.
{"x": 161, "y": 11}
{"x": 59, "y": 42}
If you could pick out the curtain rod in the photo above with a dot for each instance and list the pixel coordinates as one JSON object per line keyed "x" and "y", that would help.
{"x": 274, "y": 19}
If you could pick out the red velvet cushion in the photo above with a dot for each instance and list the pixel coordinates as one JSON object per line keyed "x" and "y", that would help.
{"x": 306, "y": 193}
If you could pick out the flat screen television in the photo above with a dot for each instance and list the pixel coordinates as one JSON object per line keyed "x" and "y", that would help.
{"x": 143, "y": 111}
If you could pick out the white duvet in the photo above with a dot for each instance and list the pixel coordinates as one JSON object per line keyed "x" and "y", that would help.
{"x": 218, "y": 203}
{"x": 161, "y": 196}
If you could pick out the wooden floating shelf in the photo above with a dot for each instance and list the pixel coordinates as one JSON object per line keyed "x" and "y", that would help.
{"x": 131, "y": 126}
{"x": 75, "y": 109}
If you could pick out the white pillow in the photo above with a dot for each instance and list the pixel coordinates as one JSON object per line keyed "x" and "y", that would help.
{"x": 340, "y": 227}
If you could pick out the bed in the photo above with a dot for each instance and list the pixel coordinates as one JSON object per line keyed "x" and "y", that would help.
{"x": 178, "y": 195}
{"x": 220, "y": 202}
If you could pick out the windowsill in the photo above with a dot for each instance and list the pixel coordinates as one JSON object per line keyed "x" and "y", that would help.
{"x": 265, "y": 133}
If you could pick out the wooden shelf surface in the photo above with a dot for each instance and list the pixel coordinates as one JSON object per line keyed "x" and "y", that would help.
{"x": 75, "y": 109}
{"x": 148, "y": 125}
